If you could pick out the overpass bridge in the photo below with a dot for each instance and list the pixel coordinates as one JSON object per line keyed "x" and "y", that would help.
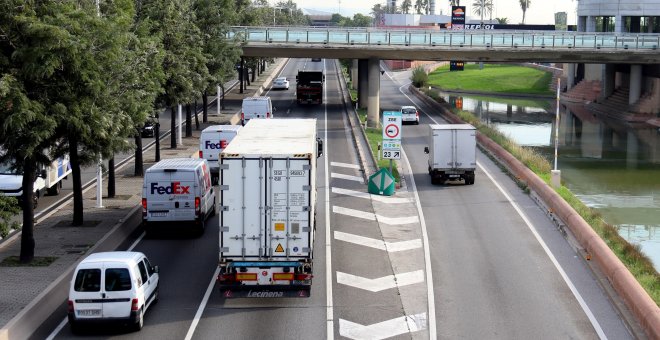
{"x": 370, "y": 45}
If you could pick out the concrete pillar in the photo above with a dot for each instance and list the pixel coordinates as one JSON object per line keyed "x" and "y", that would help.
{"x": 373, "y": 108}
{"x": 591, "y": 24}
{"x": 363, "y": 83}
{"x": 570, "y": 76}
{"x": 582, "y": 24}
{"x": 618, "y": 24}
{"x": 354, "y": 74}
{"x": 635, "y": 84}
{"x": 608, "y": 81}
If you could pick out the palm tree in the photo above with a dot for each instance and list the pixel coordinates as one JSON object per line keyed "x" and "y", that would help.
{"x": 502, "y": 21}
{"x": 455, "y": 2}
{"x": 524, "y": 5}
{"x": 482, "y": 7}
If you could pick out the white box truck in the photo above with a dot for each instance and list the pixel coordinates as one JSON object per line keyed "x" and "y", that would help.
{"x": 48, "y": 180}
{"x": 452, "y": 152}
{"x": 177, "y": 191}
{"x": 267, "y": 209}
{"x": 212, "y": 141}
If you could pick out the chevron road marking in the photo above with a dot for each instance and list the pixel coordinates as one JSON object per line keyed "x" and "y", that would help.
{"x": 375, "y": 217}
{"x": 379, "y": 198}
{"x": 347, "y": 177}
{"x": 381, "y": 283}
{"x": 345, "y": 165}
{"x": 385, "y": 329}
{"x": 378, "y": 244}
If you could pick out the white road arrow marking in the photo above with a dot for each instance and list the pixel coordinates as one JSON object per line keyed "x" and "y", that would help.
{"x": 345, "y": 165}
{"x": 381, "y": 283}
{"x": 378, "y": 244}
{"x": 385, "y": 329}
{"x": 373, "y": 217}
{"x": 347, "y": 177}
{"x": 379, "y": 198}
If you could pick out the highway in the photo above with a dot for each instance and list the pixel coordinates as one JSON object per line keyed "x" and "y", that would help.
{"x": 498, "y": 269}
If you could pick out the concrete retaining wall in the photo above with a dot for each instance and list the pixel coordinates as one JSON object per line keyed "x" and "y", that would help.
{"x": 636, "y": 298}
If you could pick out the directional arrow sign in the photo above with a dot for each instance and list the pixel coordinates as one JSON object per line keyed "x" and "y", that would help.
{"x": 381, "y": 183}
{"x": 381, "y": 283}
{"x": 385, "y": 329}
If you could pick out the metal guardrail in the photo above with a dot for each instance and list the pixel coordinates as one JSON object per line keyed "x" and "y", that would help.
{"x": 464, "y": 38}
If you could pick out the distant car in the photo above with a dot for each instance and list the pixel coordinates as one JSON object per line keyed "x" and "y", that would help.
{"x": 149, "y": 128}
{"x": 409, "y": 114}
{"x": 316, "y": 59}
{"x": 280, "y": 83}
{"x": 116, "y": 286}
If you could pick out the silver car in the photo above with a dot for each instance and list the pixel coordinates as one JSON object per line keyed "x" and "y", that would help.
{"x": 280, "y": 83}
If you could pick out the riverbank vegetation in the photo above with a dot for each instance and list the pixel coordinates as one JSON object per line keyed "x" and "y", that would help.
{"x": 494, "y": 78}
{"x": 631, "y": 255}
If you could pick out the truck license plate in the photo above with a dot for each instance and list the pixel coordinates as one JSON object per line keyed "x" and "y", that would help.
{"x": 89, "y": 312}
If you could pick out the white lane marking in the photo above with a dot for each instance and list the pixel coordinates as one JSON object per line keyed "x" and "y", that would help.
{"x": 202, "y": 305}
{"x": 330, "y": 317}
{"x": 430, "y": 295}
{"x": 347, "y": 177}
{"x": 345, "y": 165}
{"x": 381, "y": 283}
{"x": 365, "y": 195}
{"x": 569, "y": 283}
{"x": 63, "y": 323}
{"x": 375, "y": 217}
{"x": 378, "y": 244}
{"x": 385, "y": 329}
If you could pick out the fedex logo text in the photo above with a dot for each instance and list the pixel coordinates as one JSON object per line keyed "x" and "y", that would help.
{"x": 220, "y": 145}
{"x": 176, "y": 188}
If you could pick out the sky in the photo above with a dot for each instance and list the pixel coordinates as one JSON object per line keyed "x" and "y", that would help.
{"x": 539, "y": 11}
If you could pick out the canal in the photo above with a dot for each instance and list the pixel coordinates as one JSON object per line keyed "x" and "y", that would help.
{"x": 612, "y": 166}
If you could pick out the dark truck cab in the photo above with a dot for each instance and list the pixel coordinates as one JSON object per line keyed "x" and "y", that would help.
{"x": 309, "y": 87}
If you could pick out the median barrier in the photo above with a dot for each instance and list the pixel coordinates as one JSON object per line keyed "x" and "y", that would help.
{"x": 627, "y": 287}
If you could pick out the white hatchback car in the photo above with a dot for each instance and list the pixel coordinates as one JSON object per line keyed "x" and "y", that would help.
{"x": 280, "y": 83}
{"x": 409, "y": 114}
{"x": 115, "y": 286}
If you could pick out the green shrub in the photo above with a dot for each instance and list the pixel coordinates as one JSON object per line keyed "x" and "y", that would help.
{"x": 8, "y": 209}
{"x": 419, "y": 77}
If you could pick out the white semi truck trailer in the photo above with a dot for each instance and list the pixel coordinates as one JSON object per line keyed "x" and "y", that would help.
{"x": 48, "y": 180}
{"x": 267, "y": 209}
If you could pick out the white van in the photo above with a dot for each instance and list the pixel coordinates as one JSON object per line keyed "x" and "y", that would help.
{"x": 117, "y": 286}
{"x": 256, "y": 107}
{"x": 212, "y": 141}
{"x": 177, "y": 190}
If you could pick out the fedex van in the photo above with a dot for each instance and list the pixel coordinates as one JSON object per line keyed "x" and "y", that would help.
{"x": 256, "y": 107}
{"x": 213, "y": 140}
{"x": 177, "y": 191}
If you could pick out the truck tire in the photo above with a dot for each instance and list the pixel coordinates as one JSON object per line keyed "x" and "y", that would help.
{"x": 469, "y": 179}
{"x": 55, "y": 189}
{"x": 436, "y": 180}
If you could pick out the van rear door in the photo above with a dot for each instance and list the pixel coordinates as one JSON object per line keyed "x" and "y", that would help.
{"x": 118, "y": 290}
{"x": 87, "y": 295}
{"x": 170, "y": 195}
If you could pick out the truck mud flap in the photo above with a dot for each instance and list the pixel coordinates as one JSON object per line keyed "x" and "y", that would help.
{"x": 229, "y": 292}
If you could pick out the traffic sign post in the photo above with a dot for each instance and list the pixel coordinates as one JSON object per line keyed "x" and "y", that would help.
{"x": 392, "y": 136}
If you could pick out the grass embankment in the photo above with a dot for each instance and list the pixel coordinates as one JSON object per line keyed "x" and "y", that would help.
{"x": 631, "y": 255}
{"x": 494, "y": 78}
{"x": 374, "y": 136}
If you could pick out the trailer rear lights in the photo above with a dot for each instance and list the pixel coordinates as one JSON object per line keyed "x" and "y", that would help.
{"x": 246, "y": 277}
{"x": 303, "y": 277}
{"x": 283, "y": 276}
{"x": 226, "y": 277}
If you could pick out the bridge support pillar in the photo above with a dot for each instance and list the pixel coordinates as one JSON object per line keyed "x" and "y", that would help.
{"x": 635, "y": 84}
{"x": 609, "y": 75}
{"x": 570, "y": 76}
{"x": 619, "y": 26}
{"x": 632, "y": 149}
{"x": 591, "y": 24}
{"x": 354, "y": 74}
{"x": 373, "y": 107}
{"x": 363, "y": 83}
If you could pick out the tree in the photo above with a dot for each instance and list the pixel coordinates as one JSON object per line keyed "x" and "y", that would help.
{"x": 502, "y": 21}
{"x": 422, "y": 6}
{"x": 483, "y": 7}
{"x": 419, "y": 77}
{"x": 405, "y": 6}
{"x": 455, "y": 2}
{"x": 524, "y": 5}
{"x": 361, "y": 20}
{"x": 8, "y": 209}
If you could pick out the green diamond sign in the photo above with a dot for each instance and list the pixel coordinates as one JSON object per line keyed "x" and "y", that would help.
{"x": 381, "y": 183}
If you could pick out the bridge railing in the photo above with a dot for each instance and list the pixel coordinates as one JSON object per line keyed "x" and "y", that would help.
{"x": 466, "y": 38}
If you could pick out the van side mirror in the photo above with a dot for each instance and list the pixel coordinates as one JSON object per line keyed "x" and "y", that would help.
{"x": 319, "y": 147}
{"x": 156, "y": 269}
{"x": 426, "y": 149}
